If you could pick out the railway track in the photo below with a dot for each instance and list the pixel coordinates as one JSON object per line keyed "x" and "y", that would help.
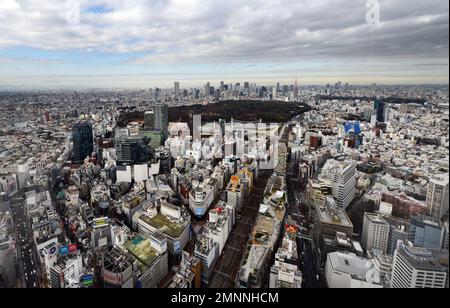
{"x": 227, "y": 268}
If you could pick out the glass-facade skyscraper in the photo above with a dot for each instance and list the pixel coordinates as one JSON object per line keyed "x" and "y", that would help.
{"x": 83, "y": 139}
{"x": 380, "y": 107}
{"x": 162, "y": 119}
{"x": 132, "y": 150}
{"x": 149, "y": 120}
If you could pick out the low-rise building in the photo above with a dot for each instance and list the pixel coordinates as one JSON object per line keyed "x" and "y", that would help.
{"x": 285, "y": 272}
{"x": 152, "y": 260}
{"x": 346, "y": 270}
{"x": 172, "y": 221}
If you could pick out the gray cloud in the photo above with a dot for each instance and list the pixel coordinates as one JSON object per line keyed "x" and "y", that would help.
{"x": 172, "y": 32}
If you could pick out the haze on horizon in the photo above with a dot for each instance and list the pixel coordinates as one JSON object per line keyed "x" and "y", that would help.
{"x": 147, "y": 43}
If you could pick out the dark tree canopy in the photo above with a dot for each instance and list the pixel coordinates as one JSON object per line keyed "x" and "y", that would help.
{"x": 243, "y": 110}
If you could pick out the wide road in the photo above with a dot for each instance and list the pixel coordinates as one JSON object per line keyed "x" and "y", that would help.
{"x": 311, "y": 278}
{"x": 26, "y": 251}
{"x": 8, "y": 267}
{"x": 299, "y": 212}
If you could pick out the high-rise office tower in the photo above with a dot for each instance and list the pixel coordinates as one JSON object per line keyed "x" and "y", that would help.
{"x": 207, "y": 89}
{"x": 162, "y": 119}
{"x": 247, "y": 86}
{"x": 285, "y": 90}
{"x": 177, "y": 89}
{"x": 296, "y": 91}
{"x": 164, "y": 160}
{"x": 83, "y": 141}
{"x": 375, "y": 233}
{"x": 328, "y": 90}
{"x": 149, "y": 120}
{"x": 380, "y": 107}
{"x": 419, "y": 268}
{"x": 132, "y": 150}
{"x": 437, "y": 196}
{"x": 343, "y": 179}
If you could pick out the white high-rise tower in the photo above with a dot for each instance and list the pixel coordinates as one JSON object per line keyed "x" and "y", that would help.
{"x": 437, "y": 196}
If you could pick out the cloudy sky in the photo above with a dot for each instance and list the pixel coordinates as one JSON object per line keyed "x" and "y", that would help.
{"x": 147, "y": 43}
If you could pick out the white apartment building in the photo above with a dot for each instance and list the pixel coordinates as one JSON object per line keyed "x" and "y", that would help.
{"x": 219, "y": 226}
{"x": 375, "y": 232}
{"x": 343, "y": 178}
{"x": 437, "y": 196}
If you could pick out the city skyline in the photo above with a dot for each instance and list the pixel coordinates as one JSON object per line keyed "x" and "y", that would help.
{"x": 143, "y": 44}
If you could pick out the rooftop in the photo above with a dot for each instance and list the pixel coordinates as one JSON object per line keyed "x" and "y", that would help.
{"x": 142, "y": 250}
{"x": 375, "y": 218}
{"x": 116, "y": 261}
{"x": 426, "y": 259}
{"x": 426, "y": 220}
{"x": 360, "y": 268}
{"x": 169, "y": 227}
{"x": 440, "y": 179}
{"x": 336, "y": 216}
{"x": 338, "y": 167}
